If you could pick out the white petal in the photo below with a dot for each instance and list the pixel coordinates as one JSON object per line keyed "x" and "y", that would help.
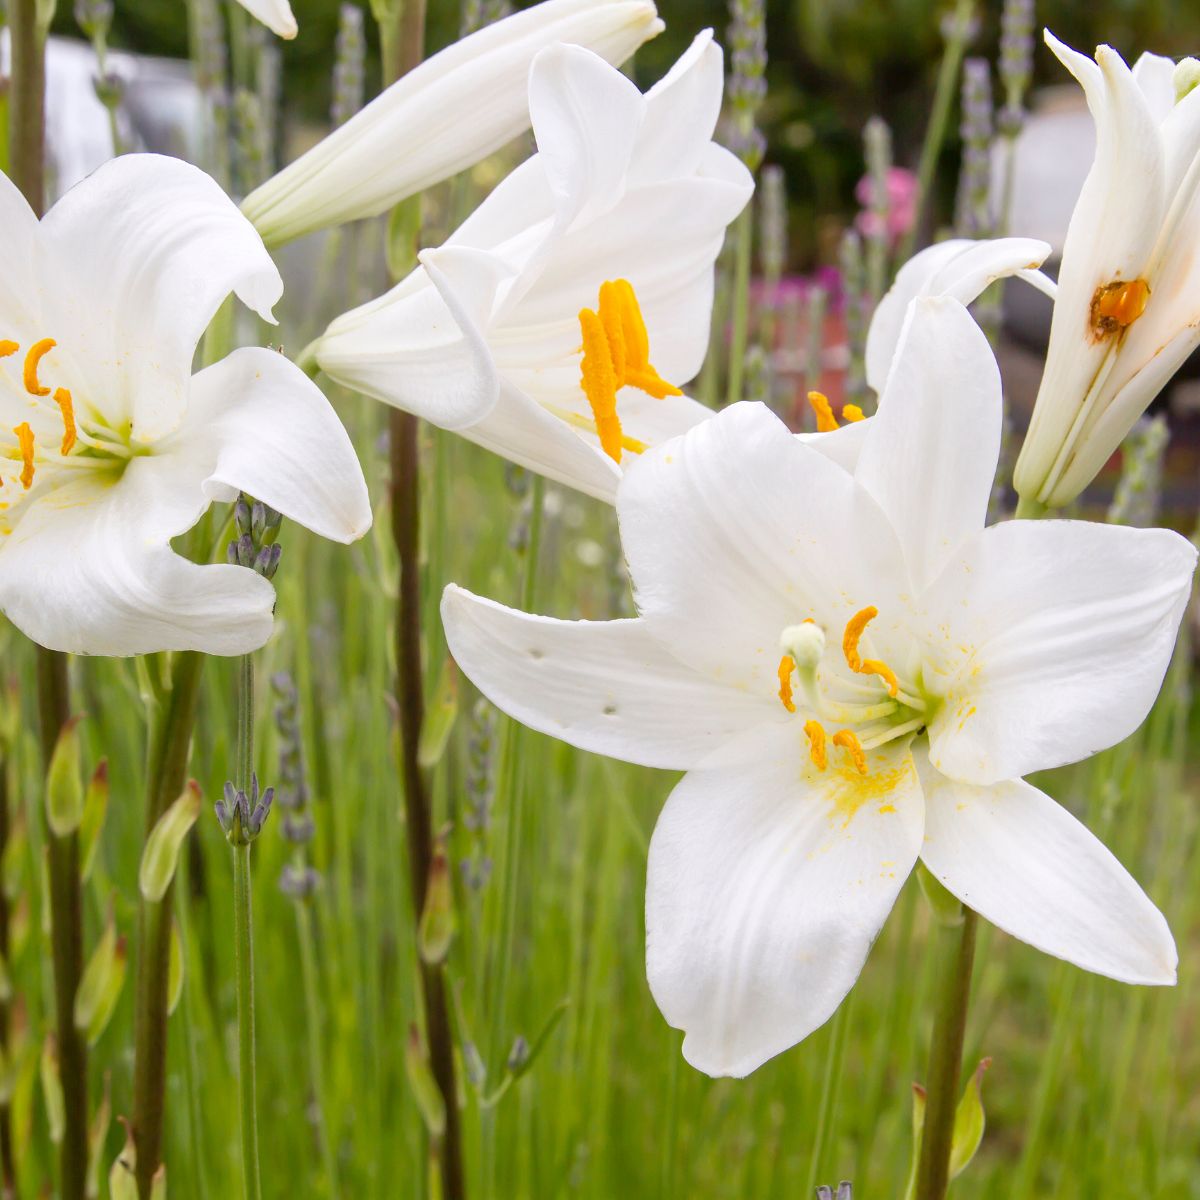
{"x": 89, "y": 570}
{"x": 1113, "y": 230}
{"x": 1023, "y": 862}
{"x": 843, "y": 445}
{"x": 1051, "y": 639}
{"x": 421, "y": 347}
{"x": 454, "y": 109}
{"x": 766, "y": 885}
{"x": 276, "y": 15}
{"x": 930, "y": 454}
{"x": 604, "y": 686}
{"x": 736, "y": 531}
{"x": 146, "y": 249}
{"x": 959, "y": 268}
{"x": 585, "y": 116}
{"x": 1155, "y": 76}
{"x": 258, "y": 424}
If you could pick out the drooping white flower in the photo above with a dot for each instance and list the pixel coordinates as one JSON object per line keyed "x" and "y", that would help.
{"x": 452, "y": 110}
{"x": 1128, "y": 308}
{"x": 109, "y": 447}
{"x": 556, "y": 324}
{"x": 276, "y": 15}
{"x": 854, "y": 673}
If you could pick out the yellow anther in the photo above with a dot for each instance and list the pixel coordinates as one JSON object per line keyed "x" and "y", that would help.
{"x": 633, "y": 324}
{"x": 851, "y": 412}
{"x": 850, "y": 744}
{"x": 599, "y": 381}
{"x": 62, "y": 397}
{"x": 826, "y": 421}
{"x": 1117, "y": 305}
{"x": 7, "y": 347}
{"x": 25, "y": 440}
{"x": 611, "y": 310}
{"x": 33, "y": 356}
{"x": 817, "y": 749}
{"x": 787, "y": 665}
{"x": 866, "y": 666}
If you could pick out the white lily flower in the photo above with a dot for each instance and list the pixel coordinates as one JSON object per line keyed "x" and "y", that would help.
{"x": 1128, "y": 308}
{"x": 276, "y": 15}
{"x": 452, "y": 110}
{"x": 555, "y": 324}
{"x": 854, "y": 673}
{"x": 109, "y": 447}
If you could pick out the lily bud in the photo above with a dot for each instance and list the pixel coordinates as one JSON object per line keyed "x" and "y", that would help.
{"x": 100, "y": 986}
{"x": 446, "y": 114}
{"x": 425, "y": 1089}
{"x": 161, "y": 854}
{"x": 1185, "y": 77}
{"x": 436, "y": 930}
{"x": 64, "y": 784}
{"x": 95, "y": 808}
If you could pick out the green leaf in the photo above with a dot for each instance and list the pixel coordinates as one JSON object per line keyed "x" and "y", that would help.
{"x": 969, "y": 1122}
{"x": 161, "y": 854}
{"x": 64, "y": 782}
{"x": 439, "y": 717}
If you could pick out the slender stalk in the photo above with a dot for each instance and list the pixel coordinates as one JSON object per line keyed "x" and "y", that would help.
{"x": 243, "y": 942}
{"x": 830, "y": 1086}
{"x": 169, "y": 746}
{"x": 402, "y": 42}
{"x": 8, "y": 1165}
{"x": 27, "y": 103}
{"x": 741, "y": 303}
{"x": 945, "y": 1059}
{"x": 939, "y": 118}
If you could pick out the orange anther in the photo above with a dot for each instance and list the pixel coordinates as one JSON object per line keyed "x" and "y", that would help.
{"x": 866, "y": 666}
{"x": 599, "y": 382}
{"x": 851, "y": 412}
{"x": 826, "y": 421}
{"x": 787, "y": 665}
{"x": 7, "y": 348}
{"x": 1117, "y": 305}
{"x": 25, "y": 440}
{"x": 62, "y": 397}
{"x": 817, "y": 750}
{"x": 33, "y": 356}
{"x": 846, "y": 739}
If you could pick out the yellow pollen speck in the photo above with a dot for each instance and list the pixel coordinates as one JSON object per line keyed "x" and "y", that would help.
{"x": 1116, "y": 305}
{"x": 786, "y": 666}
{"x": 33, "y": 356}
{"x": 851, "y": 412}
{"x": 25, "y": 439}
{"x": 826, "y": 421}
{"x": 7, "y": 348}
{"x": 887, "y": 808}
{"x": 866, "y": 666}
{"x": 848, "y": 742}
{"x": 815, "y": 732}
{"x": 616, "y": 354}
{"x": 62, "y": 397}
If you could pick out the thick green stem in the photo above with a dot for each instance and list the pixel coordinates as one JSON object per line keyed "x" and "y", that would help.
{"x": 243, "y": 937}
{"x": 167, "y": 763}
{"x": 945, "y": 1058}
{"x": 27, "y": 103}
{"x": 939, "y": 119}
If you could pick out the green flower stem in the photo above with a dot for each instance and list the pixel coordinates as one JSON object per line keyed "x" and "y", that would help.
{"x": 945, "y": 1056}
{"x": 402, "y": 42}
{"x": 170, "y": 738}
{"x": 1029, "y": 510}
{"x": 830, "y": 1086}
{"x": 743, "y": 250}
{"x": 243, "y": 942}
{"x": 939, "y": 119}
{"x": 8, "y": 1165}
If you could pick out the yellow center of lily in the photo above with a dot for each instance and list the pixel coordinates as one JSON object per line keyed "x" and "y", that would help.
{"x": 616, "y": 354}
{"x": 861, "y": 723}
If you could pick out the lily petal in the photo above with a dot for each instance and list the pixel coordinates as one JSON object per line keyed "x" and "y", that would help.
{"x": 150, "y": 246}
{"x": 604, "y": 686}
{"x": 1052, "y": 638}
{"x": 258, "y": 424}
{"x": 1022, "y": 861}
{"x": 930, "y": 453}
{"x": 736, "y": 531}
{"x": 89, "y": 570}
{"x": 959, "y": 268}
{"x": 766, "y": 885}
{"x": 276, "y": 15}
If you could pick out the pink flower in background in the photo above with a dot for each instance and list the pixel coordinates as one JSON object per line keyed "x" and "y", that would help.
{"x": 901, "y": 204}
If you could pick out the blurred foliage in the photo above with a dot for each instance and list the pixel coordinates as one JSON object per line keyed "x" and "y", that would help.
{"x": 833, "y": 64}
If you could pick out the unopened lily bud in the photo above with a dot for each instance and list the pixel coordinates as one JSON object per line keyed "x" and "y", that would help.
{"x": 101, "y": 984}
{"x": 52, "y": 1089}
{"x": 95, "y": 808}
{"x": 1186, "y": 77}
{"x": 425, "y": 1089}
{"x": 161, "y": 854}
{"x": 454, "y": 109}
{"x": 64, "y": 783}
{"x": 436, "y": 929}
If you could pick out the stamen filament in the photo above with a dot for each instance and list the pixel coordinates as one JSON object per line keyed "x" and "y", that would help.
{"x": 33, "y": 357}
{"x": 890, "y": 735}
